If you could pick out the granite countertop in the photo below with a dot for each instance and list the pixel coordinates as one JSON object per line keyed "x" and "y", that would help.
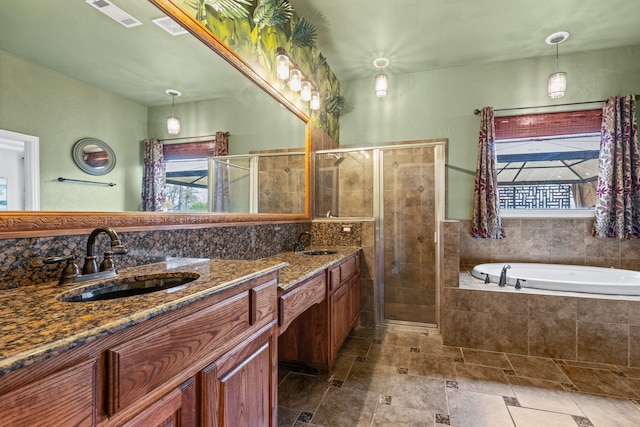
{"x": 303, "y": 266}
{"x": 36, "y": 326}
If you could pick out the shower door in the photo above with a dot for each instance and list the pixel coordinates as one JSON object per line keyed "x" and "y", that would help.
{"x": 407, "y": 211}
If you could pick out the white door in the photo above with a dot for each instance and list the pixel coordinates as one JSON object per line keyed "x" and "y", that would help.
{"x": 19, "y": 171}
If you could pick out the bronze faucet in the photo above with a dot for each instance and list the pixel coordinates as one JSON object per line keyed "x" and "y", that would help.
{"x": 90, "y": 271}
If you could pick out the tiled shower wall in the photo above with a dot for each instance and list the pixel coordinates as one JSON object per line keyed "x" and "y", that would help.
{"x": 585, "y": 328}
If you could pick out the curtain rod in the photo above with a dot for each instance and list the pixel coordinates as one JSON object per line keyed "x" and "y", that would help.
{"x": 186, "y": 137}
{"x": 476, "y": 111}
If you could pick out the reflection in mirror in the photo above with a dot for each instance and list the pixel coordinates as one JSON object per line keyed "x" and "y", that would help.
{"x": 93, "y": 156}
{"x": 112, "y": 86}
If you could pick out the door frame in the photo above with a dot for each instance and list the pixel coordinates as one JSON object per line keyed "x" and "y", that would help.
{"x": 30, "y": 145}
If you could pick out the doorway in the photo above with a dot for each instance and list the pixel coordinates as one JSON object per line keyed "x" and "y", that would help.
{"x": 19, "y": 171}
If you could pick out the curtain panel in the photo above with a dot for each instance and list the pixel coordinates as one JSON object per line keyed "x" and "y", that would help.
{"x": 153, "y": 179}
{"x": 486, "y": 222}
{"x": 617, "y": 213}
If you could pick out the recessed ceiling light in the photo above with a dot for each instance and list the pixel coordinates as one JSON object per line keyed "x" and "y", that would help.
{"x": 380, "y": 62}
{"x": 557, "y": 38}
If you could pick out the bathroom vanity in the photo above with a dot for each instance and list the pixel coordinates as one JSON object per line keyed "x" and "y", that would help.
{"x": 205, "y": 354}
{"x": 317, "y": 314}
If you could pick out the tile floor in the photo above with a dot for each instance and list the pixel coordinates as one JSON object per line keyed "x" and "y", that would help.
{"x": 395, "y": 376}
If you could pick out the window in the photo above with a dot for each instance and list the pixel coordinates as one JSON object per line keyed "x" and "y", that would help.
{"x": 548, "y": 161}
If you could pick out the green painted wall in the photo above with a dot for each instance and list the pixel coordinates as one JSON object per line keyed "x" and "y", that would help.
{"x": 440, "y": 104}
{"x": 254, "y": 120}
{"x": 59, "y": 110}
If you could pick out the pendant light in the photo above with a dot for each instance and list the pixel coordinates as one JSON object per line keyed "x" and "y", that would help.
{"x": 557, "y": 85}
{"x": 382, "y": 80}
{"x": 173, "y": 123}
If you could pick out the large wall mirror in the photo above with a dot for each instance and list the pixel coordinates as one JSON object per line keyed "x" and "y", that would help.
{"x": 68, "y": 72}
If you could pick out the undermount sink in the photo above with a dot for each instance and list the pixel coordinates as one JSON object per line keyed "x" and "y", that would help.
{"x": 121, "y": 288}
{"x": 320, "y": 252}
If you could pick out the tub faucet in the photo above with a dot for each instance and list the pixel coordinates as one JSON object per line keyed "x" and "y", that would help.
{"x": 299, "y": 245}
{"x": 503, "y": 275}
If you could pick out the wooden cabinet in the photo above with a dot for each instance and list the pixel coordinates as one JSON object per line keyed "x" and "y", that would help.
{"x": 316, "y": 333}
{"x": 67, "y": 397}
{"x": 209, "y": 363}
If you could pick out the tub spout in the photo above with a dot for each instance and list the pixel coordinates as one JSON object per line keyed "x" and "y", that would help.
{"x": 487, "y": 279}
{"x": 503, "y": 275}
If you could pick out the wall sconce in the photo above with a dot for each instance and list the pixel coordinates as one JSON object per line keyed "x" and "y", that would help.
{"x": 382, "y": 80}
{"x": 282, "y": 66}
{"x": 557, "y": 85}
{"x": 173, "y": 123}
{"x": 314, "y": 103}
{"x": 295, "y": 80}
{"x": 305, "y": 91}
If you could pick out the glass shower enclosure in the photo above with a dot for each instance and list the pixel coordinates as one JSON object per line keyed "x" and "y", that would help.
{"x": 401, "y": 189}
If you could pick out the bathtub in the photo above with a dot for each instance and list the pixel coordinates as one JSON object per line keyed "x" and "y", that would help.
{"x": 564, "y": 278}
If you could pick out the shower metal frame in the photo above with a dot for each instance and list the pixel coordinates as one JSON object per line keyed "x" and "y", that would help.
{"x": 378, "y": 218}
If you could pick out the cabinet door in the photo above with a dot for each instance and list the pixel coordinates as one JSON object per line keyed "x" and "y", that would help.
{"x": 240, "y": 388}
{"x": 62, "y": 399}
{"x": 340, "y": 303}
{"x": 176, "y": 409}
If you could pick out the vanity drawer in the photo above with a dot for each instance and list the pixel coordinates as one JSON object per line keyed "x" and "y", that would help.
{"x": 339, "y": 274}
{"x": 141, "y": 365}
{"x": 292, "y": 304}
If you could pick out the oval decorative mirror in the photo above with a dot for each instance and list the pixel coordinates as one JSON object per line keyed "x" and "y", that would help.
{"x": 94, "y": 156}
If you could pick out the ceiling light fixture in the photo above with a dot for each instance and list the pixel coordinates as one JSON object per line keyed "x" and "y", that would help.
{"x": 282, "y": 66}
{"x": 295, "y": 80}
{"x": 382, "y": 80}
{"x": 557, "y": 85}
{"x": 173, "y": 123}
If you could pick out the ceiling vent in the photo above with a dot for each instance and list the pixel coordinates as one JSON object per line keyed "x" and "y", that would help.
{"x": 114, "y": 12}
{"x": 169, "y": 25}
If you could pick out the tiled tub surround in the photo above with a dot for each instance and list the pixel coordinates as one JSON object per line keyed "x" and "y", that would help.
{"x": 553, "y": 241}
{"x": 570, "y": 326}
{"x": 21, "y": 259}
{"x": 579, "y": 327}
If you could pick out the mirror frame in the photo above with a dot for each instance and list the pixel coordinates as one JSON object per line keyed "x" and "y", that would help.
{"x": 78, "y": 155}
{"x": 21, "y": 224}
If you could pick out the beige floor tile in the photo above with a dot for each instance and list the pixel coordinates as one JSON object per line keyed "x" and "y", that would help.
{"x": 401, "y": 337}
{"x": 301, "y": 392}
{"x": 629, "y": 371}
{"x": 536, "y": 367}
{"x": 525, "y": 417}
{"x": 433, "y": 344}
{"x": 546, "y": 400}
{"x": 356, "y": 345}
{"x": 471, "y": 409}
{"x": 342, "y": 365}
{"x": 486, "y": 358}
{"x": 425, "y": 394}
{"x": 393, "y": 355}
{"x": 608, "y": 411}
{"x": 371, "y": 377}
{"x": 534, "y": 382}
{"x": 483, "y": 379}
{"x": 598, "y": 381}
{"x": 346, "y": 407}
{"x": 371, "y": 333}
{"x": 286, "y": 416}
{"x": 394, "y": 416}
{"x": 432, "y": 365}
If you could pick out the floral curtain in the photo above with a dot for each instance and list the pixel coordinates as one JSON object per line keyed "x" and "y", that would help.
{"x": 153, "y": 180}
{"x": 221, "y": 201}
{"x": 486, "y": 222}
{"x": 617, "y": 213}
